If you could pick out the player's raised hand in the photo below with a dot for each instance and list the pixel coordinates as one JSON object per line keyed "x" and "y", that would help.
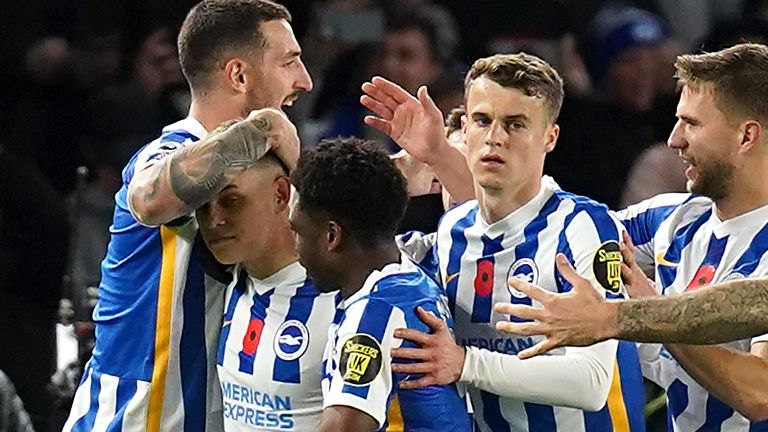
{"x": 414, "y": 123}
{"x": 439, "y": 359}
{"x": 636, "y": 282}
{"x": 419, "y": 177}
{"x": 574, "y": 318}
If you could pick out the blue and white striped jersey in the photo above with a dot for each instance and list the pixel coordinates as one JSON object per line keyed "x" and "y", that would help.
{"x": 474, "y": 259}
{"x": 681, "y": 236}
{"x": 357, "y": 357}
{"x": 270, "y": 351}
{"x": 157, "y": 325}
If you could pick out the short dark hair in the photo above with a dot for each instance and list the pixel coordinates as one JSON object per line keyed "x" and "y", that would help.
{"x": 453, "y": 119}
{"x": 354, "y": 182}
{"x": 527, "y": 73}
{"x": 739, "y": 76}
{"x": 215, "y": 28}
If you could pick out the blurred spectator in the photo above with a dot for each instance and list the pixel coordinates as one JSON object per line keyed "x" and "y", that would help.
{"x": 91, "y": 210}
{"x": 410, "y": 55}
{"x": 603, "y": 133}
{"x": 34, "y": 234}
{"x": 657, "y": 170}
{"x": 692, "y": 20}
{"x": 13, "y": 417}
{"x": 411, "y": 52}
{"x": 154, "y": 95}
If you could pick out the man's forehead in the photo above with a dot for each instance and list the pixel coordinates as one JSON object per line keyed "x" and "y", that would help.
{"x": 484, "y": 93}
{"x": 279, "y": 39}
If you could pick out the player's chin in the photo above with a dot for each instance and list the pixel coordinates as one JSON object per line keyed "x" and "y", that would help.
{"x": 224, "y": 254}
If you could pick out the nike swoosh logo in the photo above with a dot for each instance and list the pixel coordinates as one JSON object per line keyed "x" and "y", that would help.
{"x": 451, "y": 277}
{"x": 663, "y": 261}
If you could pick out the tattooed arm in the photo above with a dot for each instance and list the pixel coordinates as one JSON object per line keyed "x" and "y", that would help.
{"x": 721, "y": 313}
{"x": 192, "y": 176}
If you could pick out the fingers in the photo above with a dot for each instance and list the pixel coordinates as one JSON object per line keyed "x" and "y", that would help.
{"x": 627, "y": 239}
{"x": 380, "y": 124}
{"x": 384, "y": 96}
{"x": 416, "y": 336}
{"x": 427, "y": 102}
{"x": 391, "y": 89}
{"x": 627, "y": 274}
{"x": 627, "y": 250}
{"x": 530, "y": 290}
{"x": 540, "y": 348}
{"x": 525, "y": 329}
{"x": 412, "y": 368}
{"x": 410, "y": 353}
{"x": 569, "y": 273}
{"x": 377, "y": 107}
{"x": 419, "y": 383}
{"x": 519, "y": 311}
{"x": 430, "y": 319}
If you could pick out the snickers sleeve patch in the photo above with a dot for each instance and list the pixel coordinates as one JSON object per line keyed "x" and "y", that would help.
{"x": 606, "y": 266}
{"x": 360, "y": 361}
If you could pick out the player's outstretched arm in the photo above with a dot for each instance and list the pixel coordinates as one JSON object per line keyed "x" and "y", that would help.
{"x": 340, "y": 418}
{"x": 417, "y": 125}
{"x": 719, "y": 313}
{"x": 578, "y": 379}
{"x": 192, "y": 176}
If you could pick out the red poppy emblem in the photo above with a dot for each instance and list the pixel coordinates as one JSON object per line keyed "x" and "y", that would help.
{"x": 703, "y": 277}
{"x": 252, "y": 336}
{"x": 484, "y": 278}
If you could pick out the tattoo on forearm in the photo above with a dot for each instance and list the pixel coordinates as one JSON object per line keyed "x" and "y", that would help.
{"x": 729, "y": 311}
{"x": 199, "y": 172}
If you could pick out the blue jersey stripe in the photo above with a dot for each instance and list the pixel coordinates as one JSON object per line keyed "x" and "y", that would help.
{"x": 192, "y": 347}
{"x": 359, "y": 391}
{"x": 643, "y": 226}
{"x": 492, "y": 412}
{"x": 759, "y": 426}
{"x": 85, "y": 423}
{"x": 125, "y": 391}
{"x": 229, "y": 313}
{"x": 749, "y": 260}
{"x": 632, "y": 386}
{"x": 258, "y": 313}
{"x": 564, "y": 247}
{"x": 530, "y": 246}
{"x": 177, "y": 136}
{"x": 301, "y": 306}
{"x": 717, "y": 413}
{"x": 598, "y": 421}
{"x": 540, "y": 417}
{"x": 683, "y": 238}
{"x": 481, "y": 308}
{"x": 677, "y": 399}
{"x": 458, "y": 246}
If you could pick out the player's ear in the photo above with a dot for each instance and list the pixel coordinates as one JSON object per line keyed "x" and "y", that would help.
{"x": 282, "y": 193}
{"x": 334, "y": 235}
{"x": 235, "y": 71}
{"x": 552, "y": 135}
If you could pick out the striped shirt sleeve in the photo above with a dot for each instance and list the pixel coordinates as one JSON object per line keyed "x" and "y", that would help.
{"x": 361, "y": 377}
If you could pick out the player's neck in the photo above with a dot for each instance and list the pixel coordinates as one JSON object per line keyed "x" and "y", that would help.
{"x": 281, "y": 253}
{"x": 365, "y": 260}
{"x": 749, "y": 191}
{"x": 212, "y": 111}
{"x": 496, "y": 204}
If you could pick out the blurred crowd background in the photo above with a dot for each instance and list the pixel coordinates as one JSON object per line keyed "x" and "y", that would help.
{"x": 85, "y": 83}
